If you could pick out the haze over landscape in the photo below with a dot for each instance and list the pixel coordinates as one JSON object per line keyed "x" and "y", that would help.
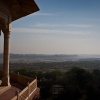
{"x": 60, "y": 27}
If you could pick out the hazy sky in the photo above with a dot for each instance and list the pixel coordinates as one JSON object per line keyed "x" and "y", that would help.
{"x": 60, "y": 27}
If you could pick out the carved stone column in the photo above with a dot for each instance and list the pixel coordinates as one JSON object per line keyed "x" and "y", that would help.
{"x": 6, "y": 78}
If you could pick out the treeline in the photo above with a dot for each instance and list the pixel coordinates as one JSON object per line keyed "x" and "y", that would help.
{"x": 63, "y": 66}
{"x": 77, "y": 83}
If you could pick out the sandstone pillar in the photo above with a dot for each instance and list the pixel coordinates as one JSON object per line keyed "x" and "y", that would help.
{"x": 6, "y": 78}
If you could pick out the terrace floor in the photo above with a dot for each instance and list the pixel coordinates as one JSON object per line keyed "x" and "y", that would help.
{"x": 11, "y": 92}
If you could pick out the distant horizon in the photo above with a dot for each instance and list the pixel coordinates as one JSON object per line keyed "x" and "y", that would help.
{"x": 48, "y": 54}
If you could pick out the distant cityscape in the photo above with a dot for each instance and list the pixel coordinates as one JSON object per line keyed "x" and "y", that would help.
{"x": 30, "y": 58}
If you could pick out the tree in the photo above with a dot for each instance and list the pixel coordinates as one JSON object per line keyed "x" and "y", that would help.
{"x": 96, "y": 74}
{"x": 79, "y": 77}
{"x": 77, "y": 80}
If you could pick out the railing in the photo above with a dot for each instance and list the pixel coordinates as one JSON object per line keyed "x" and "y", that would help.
{"x": 27, "y": 92}
{"x": 30, "y": 83}
{"x": 18, "y": 78}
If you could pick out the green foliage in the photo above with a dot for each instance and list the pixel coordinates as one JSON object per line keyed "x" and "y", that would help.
{"x": 96, "y": 74}
{"x": 56, "y": 72}
{"x": 39, "y": 75}
{"x": 78, "y": 83}
{"x": 79, "y": 77}
{"x": 22, "y": 71}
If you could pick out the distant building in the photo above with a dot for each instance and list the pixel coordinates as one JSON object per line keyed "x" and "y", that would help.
{"x": 56, "y": 90}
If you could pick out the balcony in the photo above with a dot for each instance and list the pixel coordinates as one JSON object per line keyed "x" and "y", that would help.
{"x": 22, "y": 88}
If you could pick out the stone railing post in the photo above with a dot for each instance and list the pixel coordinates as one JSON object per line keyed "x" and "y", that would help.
{"x": 17, "y": 92}
{"x": 28, "y": 90}
{"x": 18, "y": 73}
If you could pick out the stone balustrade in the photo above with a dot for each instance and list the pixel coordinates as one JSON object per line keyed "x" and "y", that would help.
{"x": 26, "y": 92}
{"x": 18, "y": 78}
{"x": 30, "y": 89}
